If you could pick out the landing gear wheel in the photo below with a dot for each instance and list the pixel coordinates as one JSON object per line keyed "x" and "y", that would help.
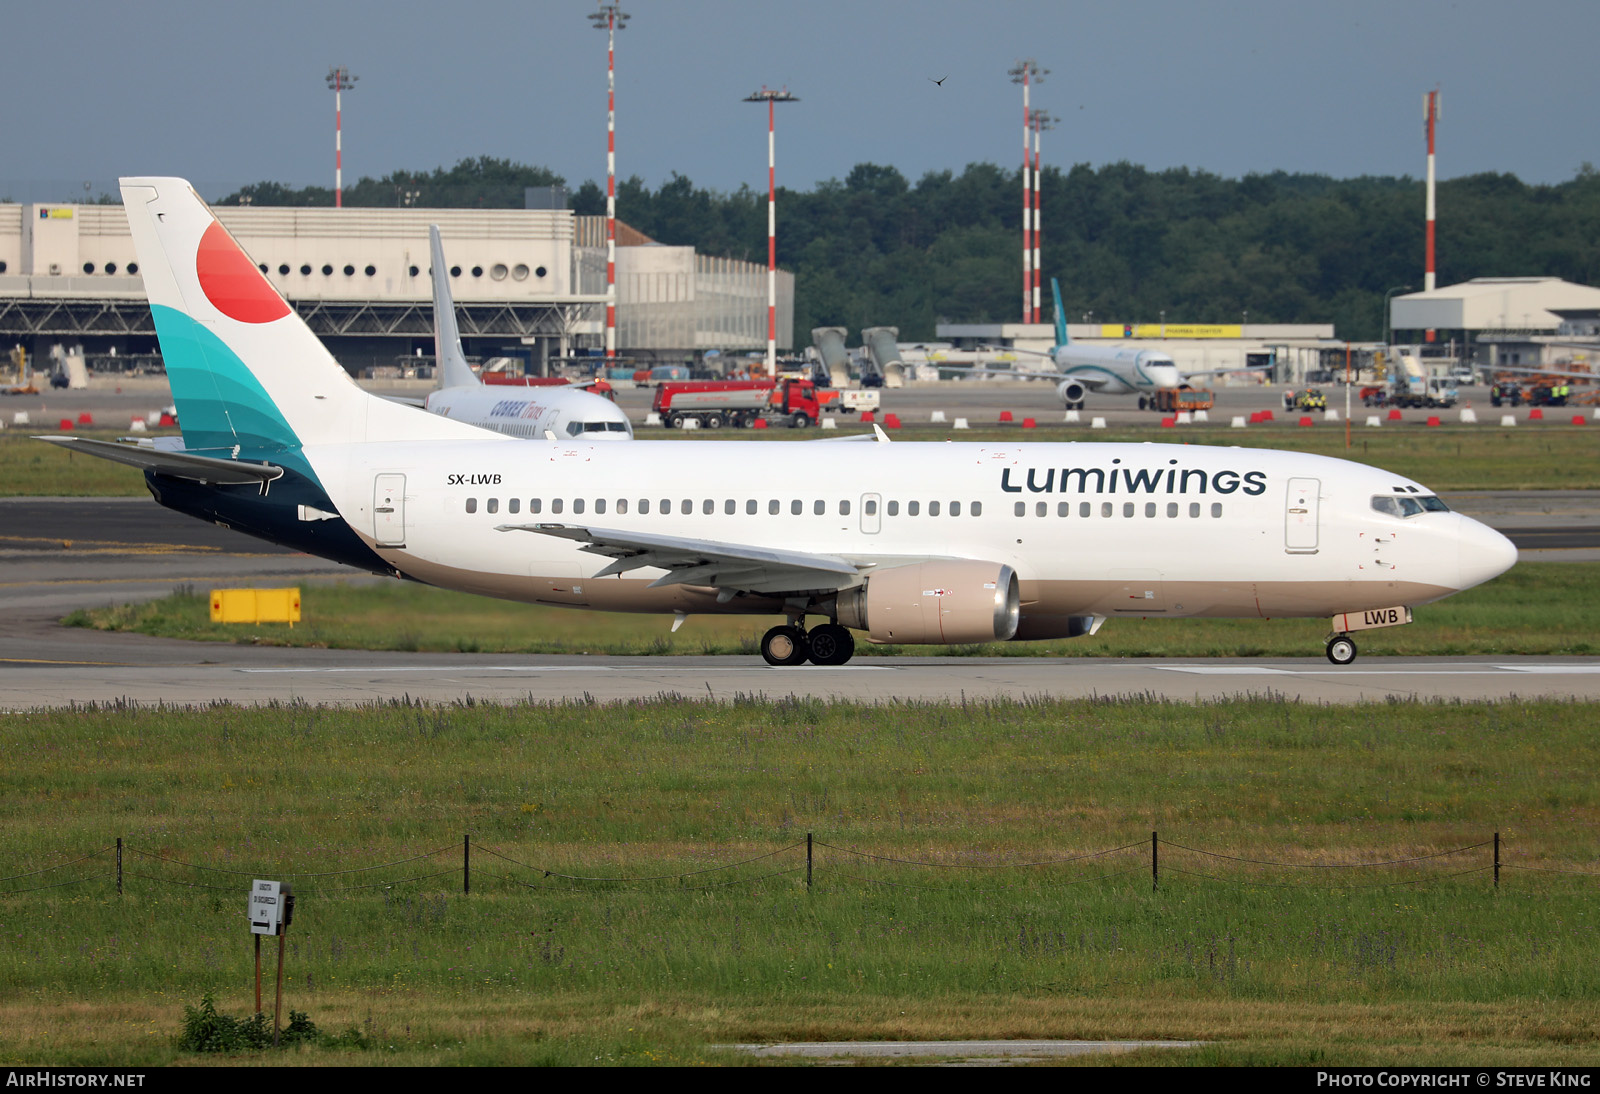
{"x": 1143, "y": 402}
{"x": 831, "y": 644}
{"x": 785, "y": 645}
{"x": 1341, "y": 649}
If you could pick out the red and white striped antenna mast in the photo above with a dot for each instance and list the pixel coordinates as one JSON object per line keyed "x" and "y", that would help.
{"x": 772, "y": 98}
{"x": 611, "y": 18}
{"x": 339, "y": 81}
{"x": 1042, "y": 121}
{"x": 1430, "y": 117}
{"x": 1022, "y": 73}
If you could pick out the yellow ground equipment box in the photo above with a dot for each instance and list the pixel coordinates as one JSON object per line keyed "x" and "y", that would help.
{"x": 255, "y": 606}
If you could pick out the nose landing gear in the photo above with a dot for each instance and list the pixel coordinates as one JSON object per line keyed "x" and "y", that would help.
{"x": 1341, "y": 649}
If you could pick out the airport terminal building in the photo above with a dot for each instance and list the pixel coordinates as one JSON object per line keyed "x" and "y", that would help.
{"x": 526, "y": 281}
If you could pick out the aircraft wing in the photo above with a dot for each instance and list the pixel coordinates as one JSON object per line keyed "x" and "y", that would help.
{"x": 732, "y": 566}
{"x": 180, "y": 465}
{"x": 1008, "y": 373}
{"x": 877, "y": 436}
{"x": 1220, "y": 371}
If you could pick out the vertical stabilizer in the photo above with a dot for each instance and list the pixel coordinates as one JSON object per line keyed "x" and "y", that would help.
{"x": 453, "y": 368}
{"x": 1061, "y": 316}
{"x": 246, "y": 372}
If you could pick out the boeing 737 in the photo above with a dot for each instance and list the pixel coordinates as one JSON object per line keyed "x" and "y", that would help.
{"x": 911, "y": 543}
{"x": 535, "y": 412}
{"x": 1104, "y": 370}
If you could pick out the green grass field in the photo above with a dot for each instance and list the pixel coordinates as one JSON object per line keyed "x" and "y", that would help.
{"x": 1419, "y": 962}
{"x": 1536, "y": 608}
{"x": 1551, "y": 455}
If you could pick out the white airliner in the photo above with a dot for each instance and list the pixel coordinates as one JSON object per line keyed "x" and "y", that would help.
{"x": 912, "y": 543}
{"x": 533, "y": 412}
{"x": 1104, "y": 370}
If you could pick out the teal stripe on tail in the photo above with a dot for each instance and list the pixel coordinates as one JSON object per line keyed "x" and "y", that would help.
{"x": 220, "y": 403}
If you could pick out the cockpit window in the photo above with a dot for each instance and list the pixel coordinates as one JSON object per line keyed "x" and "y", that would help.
{"x": 1408, "y": 506}
{"x": 575, "y": 428}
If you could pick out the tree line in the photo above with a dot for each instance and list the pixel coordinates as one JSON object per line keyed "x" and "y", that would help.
{"x": 1127, "y": 244}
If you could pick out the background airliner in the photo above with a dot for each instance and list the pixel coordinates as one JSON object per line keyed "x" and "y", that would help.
{"x": 910, "y": 543}
{"x": 1104, "y": 370}
{"x": 533, "y": 412}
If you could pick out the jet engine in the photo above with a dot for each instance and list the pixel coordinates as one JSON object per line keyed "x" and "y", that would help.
{"x": 935, "y": 602}
{"x": 1070, "y": 392}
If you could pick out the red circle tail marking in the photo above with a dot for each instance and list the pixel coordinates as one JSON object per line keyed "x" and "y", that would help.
{"x": 235, "y": 287}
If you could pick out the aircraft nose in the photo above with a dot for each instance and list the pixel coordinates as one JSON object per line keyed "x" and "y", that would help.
{"x": 1482, "y": 553}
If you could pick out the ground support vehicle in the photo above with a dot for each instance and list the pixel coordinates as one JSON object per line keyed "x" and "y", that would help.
{"x": 1173, "y": 400}
{"x": 713, "y": 404}
{"x": 1435, "y": 393}
{"x": 1310, "y": 399}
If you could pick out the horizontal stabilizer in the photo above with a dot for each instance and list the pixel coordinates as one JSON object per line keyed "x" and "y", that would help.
{"x": 180, "y": 465}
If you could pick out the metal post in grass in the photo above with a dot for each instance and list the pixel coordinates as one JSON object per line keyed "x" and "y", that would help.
{"x": 277, "y": 1010}
{"x": 466, "y": 863}
{"x": 808, "y": 862}
{"x": 119, "y": 865}
{"x": 1497, "y": 860}
{"x": 1155, "y": 859}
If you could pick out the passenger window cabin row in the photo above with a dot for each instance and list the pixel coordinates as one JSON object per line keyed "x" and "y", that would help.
{"x": 796, "y": 507}
{"x": 1109, "y": 509}
{"x": 708, "y": 507}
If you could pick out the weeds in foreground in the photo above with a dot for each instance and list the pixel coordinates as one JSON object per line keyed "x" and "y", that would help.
{"x": 205, "y": 1029}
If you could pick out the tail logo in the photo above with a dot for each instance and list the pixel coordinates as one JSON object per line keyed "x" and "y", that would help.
{"x": 232, "y": 283}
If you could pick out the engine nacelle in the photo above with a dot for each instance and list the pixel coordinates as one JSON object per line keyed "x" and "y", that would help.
{"x": 1070, "y": 391}
{"x": 935, "y": 603}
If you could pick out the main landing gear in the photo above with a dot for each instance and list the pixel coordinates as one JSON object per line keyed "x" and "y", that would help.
{"x": 1341, "y": 649}
{"x": 790, "y": 644}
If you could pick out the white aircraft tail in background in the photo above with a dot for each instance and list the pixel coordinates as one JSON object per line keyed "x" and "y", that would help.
{"x": 533, "y": 412}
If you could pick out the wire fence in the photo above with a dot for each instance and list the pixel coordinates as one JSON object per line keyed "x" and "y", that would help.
{"x": 812, "y": 857}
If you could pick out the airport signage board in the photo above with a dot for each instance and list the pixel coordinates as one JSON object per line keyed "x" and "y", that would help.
{"x": 266, "y": 907}
{"x": 1171, "y": 330}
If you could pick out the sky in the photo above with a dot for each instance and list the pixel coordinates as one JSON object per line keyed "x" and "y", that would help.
{"x": 229, "y": 93}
